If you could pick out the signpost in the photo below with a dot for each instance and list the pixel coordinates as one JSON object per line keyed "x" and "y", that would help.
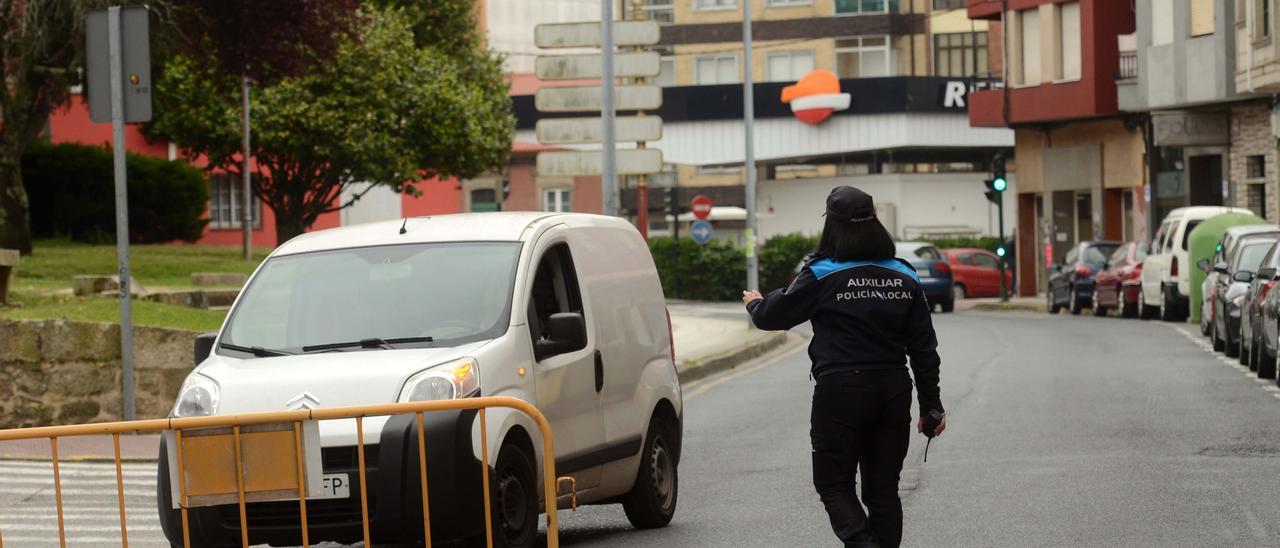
{"x": 701, "y": 231}
{"x": 118, "y": 73}
{"x": 604, "y": 129}
{"x": 701, "y": 207}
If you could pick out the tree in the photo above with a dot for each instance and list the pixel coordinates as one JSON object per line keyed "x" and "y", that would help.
{"x": 40, "y": 49}
{"x": 385, "y": 112}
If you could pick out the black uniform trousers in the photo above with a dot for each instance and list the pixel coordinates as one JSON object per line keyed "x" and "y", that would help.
{"x": 861, "y": 420}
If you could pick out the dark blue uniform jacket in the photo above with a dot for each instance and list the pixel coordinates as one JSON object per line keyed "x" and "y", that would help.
{"x": 866, "y": 315}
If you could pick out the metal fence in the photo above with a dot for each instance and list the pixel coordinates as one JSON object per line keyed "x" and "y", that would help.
{"x": 274, "y": 433}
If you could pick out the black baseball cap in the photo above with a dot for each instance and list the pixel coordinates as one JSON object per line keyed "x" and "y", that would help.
{"x": 850, "y": 204}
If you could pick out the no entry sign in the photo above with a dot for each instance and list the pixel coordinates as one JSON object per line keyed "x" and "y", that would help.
{"x": 701, "y": 207}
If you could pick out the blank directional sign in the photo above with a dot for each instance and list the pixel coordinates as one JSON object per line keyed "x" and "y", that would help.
{"x": 587, "y": 98}
{"x": 588, "y": 65}
{"x": 565, "y": 131}
{"x": 636, "y": 161}
{"x": 587, "y": 35}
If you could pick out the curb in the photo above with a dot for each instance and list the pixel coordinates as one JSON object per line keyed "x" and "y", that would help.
{"x": 732, "y": 358}
{"x": 1010, "y": 307}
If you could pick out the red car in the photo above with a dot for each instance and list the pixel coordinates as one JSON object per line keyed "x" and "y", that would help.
{"x": 976, "y": 272}
{"x": 1121, "y": 281}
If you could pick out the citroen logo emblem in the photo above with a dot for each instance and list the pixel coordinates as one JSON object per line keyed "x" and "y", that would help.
{"x": 303, "y": 401}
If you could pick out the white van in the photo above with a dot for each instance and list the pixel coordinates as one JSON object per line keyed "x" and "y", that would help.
{"x": 564, "y": 311}
{"x": 1166, "y": 272}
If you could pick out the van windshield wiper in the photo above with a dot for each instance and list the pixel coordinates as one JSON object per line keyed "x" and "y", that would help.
{"x": 373, "y": 343}
{"x": 257, "y": 351}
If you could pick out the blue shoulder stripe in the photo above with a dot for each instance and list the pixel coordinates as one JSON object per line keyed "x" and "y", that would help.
{"x": 825, "y": 267}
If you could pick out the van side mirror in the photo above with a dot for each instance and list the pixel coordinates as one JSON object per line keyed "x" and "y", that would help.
{"x": 1242, "y": 276}
{"x": 566, "y": 332}
{"x": 204, "y": 346}
{"x": 1203, "y": 264}
{"x": 1220, "y": 268}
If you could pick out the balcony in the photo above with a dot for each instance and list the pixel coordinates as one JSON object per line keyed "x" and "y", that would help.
{"x": 984, "y": 9}
{"x": 1128, "y": 47}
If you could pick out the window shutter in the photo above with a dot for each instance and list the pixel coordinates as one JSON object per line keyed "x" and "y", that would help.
{"x": 1070, "y": 20}
{"x": 1202, "y": 20}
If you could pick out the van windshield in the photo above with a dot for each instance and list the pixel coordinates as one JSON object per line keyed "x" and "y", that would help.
{"x": 424, "y": 294}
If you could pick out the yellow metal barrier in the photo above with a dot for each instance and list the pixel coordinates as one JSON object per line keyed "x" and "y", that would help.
{"x": 271, "y": 429}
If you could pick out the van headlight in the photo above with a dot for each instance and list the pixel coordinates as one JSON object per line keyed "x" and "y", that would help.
{"x": 197, "y": 398}
{"x": 447, "y": 381}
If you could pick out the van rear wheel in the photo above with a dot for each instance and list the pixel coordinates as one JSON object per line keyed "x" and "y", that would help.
{"x": 652, "y": 500}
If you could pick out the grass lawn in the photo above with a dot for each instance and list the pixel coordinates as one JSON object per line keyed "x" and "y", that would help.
{"x": 54, "y": 262}
{"x": 107, "y": 309}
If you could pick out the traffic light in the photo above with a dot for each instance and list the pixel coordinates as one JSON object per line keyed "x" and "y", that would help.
{"x": 669, "y": 200}
{"x": 995, "y": 187}
{"x": 1000, "y": 251}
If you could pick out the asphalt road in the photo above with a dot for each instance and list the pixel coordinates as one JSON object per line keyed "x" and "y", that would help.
{"x": 1063, "y": 431}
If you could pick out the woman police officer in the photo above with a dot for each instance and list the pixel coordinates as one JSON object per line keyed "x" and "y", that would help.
{"x": 869, "y": 315}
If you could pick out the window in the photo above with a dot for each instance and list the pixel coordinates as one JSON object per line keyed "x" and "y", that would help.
{"x": 556, "y": 200}
{"x": 1029, "y": 24}
{"x": 662, "y": 11}
{"x": 715, "y": 4}
{"x": 857, "y": 7}
{"x": 1120, "y": 256}
{"x": 1069, "y": 33}
{"x": 864, "y": 57}
{"x": 982, "y": 260}
{"x": 555, "y": 291}
{"x": 666, "y": 72}
{"x": 954, "y": 54}
{"x": 1265, "y": 27}
{"x": 788, "y": 66}
{"x": 1202, "y": 17}
{"x": 788, "y": 2}
{"x": 484, "y": 199}
{"x": 715, "y": 69}
{"x": 1186, "y": 232}
{"x": 1256, "y": 199}
{"x": 1161, "y": 23}
{"x": 939, "y": 5}
{"x": 1255, "y": 167}
{"x": 225, "y": 201}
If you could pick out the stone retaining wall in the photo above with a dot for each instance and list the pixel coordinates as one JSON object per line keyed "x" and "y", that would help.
{"x": 68, "y": 372}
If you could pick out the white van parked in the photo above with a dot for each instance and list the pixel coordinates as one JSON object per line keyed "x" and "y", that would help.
{"x": 564, "y": 311}
{"x": 1166, "y": 272}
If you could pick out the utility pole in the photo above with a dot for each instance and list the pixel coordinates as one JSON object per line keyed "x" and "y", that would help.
{"x": 642, "y": 180}
{"x": 749, "y": 157}
{"x": 115, "y": 49}
{"x": 246, "y": 192}
{"x": 608, "y": 179}
{"x": 995, "y": 193}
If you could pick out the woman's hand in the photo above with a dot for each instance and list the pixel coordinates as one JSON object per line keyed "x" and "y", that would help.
{"x": 751, "y": 296}
{"x": 942, "y": 425}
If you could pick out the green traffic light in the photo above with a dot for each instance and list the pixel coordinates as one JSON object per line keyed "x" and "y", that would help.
{"x": 1000, "y": 251}
{"x": 999, "y": 184}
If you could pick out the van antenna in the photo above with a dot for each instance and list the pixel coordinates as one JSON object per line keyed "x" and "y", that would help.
{"x": 402, "y": 225}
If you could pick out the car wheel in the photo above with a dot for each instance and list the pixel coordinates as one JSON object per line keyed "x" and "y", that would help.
{"x": 652, "y": 500}
{"x": 1167, "y": 312}
{"x": 1230, "y": 348}
{"x": 1073, "y": 302}
{"x": 1145, "y": 312}
{"x": 1099, "y": 310}
{"x": 1128, "y": 310}
{"x": 958, "y": 293}
{"x": 1218, "y": 345}
{"x": 1266, "y": 364}
{"x": 948, "y": 305}
{"x": 1246, "y": 350}
{"x": 1204, "y": 320}
{"x": 1051, "y": 307}
{"x": 514, "y": 499}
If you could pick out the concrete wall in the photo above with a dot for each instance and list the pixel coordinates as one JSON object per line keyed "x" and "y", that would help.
{"x": 1121, "y": 154}
{"x": 65, "y": 372}
{"x": 1192, "y": 69}
{"x": 908, "y": 204}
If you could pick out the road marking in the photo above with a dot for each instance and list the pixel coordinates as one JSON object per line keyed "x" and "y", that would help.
{"x": 90, "y": 508}
{"x": 762, "y": 362}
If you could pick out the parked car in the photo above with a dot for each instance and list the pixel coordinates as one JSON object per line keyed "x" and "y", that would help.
{"x": 1253, "y": 351}
{"x": 1119, "y": 283}
{"x": 1166, "y": 276}
{"x": 976, "y": 272}
{"x": 1229, "y": 291}
{"x": 524, "y": 305}
{"x": 1224, "y": 252}
{"x": 935, "y": 273}
{"x": 1071, "y": 283}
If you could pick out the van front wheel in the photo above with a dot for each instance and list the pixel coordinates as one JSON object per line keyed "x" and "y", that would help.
{"x": 652, "y": 500}
{"x": 514, "y": 499}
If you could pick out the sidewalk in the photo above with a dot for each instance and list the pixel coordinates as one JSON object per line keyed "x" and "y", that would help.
{"x": 1023, "y": 304}
{"x": 709, "y": 338}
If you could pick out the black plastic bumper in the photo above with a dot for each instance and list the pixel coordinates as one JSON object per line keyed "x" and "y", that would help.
{"x": 394, "y": 493}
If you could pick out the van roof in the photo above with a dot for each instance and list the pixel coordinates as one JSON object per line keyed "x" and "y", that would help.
{"x": 1203, "y": 212}
{"x": 462, "y": 227}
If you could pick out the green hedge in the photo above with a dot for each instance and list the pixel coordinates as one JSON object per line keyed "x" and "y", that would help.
{"x": 989, "y": 243}
{"x": 716, "y": 271}
{"x": 779, "y": 257}
{"x": 71, "y": 189}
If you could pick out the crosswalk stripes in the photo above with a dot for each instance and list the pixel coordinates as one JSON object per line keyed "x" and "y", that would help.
{"x": 91, "y": 513}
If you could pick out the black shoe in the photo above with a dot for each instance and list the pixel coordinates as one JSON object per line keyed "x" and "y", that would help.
{"x": 862, "y": 540}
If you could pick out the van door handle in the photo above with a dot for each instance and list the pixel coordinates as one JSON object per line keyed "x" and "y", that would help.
{"x": 599, "y": 371}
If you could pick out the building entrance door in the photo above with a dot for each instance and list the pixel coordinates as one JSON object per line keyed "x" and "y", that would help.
{"x": 1205, "y": 174}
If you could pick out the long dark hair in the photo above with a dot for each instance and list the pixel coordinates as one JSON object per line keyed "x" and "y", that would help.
{"x": 855, "y": 241}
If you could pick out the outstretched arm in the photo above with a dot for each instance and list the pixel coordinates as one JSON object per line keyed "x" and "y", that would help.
{"x": 783, "y": 309}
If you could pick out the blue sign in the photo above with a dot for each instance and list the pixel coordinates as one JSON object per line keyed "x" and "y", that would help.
{"x": 701, "y": 232}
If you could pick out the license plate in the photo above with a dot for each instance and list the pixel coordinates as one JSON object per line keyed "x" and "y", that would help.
{"x": 923, "y": 272}
{"x": 336, "y": 486}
